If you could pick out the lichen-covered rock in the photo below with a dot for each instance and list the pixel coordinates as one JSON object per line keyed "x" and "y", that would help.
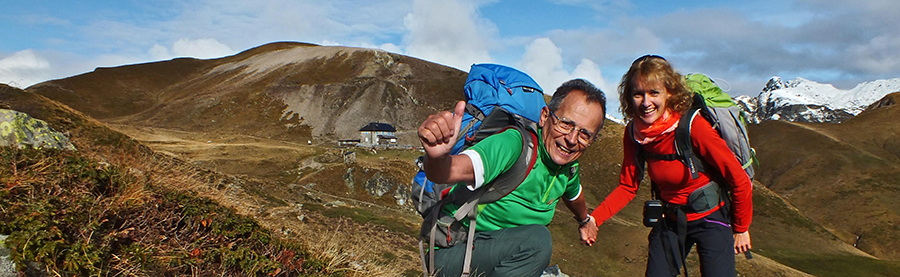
{"x": 7, "y": 267}
{"x": 350, "y": 158}
{"x": 330, "y": 157}
{"x": 21, "y": 130}
{"x": 401, "y": 194}
{"x": 379, "y": 185}
{"x": 348, "y": 178}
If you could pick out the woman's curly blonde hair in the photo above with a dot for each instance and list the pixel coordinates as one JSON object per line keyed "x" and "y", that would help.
{"x": 653, "y": 67}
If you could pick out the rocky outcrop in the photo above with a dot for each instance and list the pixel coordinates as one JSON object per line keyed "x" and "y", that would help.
{"x": 7, "y": 267}
{"x": 802, "y": 100}
{"x": 379, "y": 185}
{"x": 801, "y": 113}
{"x": 887, "y": 101}
{"x": 348, "y": 179}
{"x": 21, "y": 130}
{"x": 401, "y": 194}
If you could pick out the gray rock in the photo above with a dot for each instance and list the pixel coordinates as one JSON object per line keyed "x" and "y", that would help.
{"x": 350, "y": 158}
{"x": 21, "y": 130}
{"x": 7, "y": 267}
{"x": 553, "y": 271}
{"x": 401, "y": 194}
{"x": 348, "y": 179}
{"x": 379, "y": 185}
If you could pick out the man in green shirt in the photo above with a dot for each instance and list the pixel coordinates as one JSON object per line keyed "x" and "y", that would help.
{"x": 511, "y": 235}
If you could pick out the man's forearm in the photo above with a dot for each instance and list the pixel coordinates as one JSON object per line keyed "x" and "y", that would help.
{"x": 437, "y": 169}
{"x": 578, "y": 207}
{"x": 449, "y": 169}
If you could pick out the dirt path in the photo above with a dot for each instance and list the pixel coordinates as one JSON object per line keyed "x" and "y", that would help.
{"x": 155, "y": 135}
{"x": 835, "y": 139}
{"x": 231, "y": 154}
{"x": 804, "y": 126}
{"x": 333, "y": 238}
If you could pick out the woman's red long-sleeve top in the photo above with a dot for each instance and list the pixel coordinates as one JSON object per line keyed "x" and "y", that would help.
{"x": 674, "y": 179}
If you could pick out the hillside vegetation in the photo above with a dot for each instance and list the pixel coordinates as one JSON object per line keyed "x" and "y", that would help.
{"x": 114, "y": 207}
{"x": 852, "y": 187}
{"x": 285, "y": 91}
{"x": 234, "y": 130}
{"x": 69, "y": 215}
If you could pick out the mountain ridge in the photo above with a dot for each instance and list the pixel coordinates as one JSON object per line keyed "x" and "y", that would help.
{"x": 311, "y": 81}
{"x": 802, "y": 100}
{"x": 330, "y": 92}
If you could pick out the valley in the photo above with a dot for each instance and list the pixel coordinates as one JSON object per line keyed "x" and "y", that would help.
{"x": 264, "y": 142}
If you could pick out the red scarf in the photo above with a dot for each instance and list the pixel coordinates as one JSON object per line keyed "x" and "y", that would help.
{"x": 645, "y": 133}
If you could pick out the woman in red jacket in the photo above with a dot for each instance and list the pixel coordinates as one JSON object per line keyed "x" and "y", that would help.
{"x": 653, "y": 97}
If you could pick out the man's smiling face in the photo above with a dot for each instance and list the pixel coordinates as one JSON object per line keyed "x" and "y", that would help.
{"x": 566, "y": 148}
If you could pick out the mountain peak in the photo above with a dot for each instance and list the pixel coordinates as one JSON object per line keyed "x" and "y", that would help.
{"x": 809, "y": 101}
{"x": 776, "y": 83}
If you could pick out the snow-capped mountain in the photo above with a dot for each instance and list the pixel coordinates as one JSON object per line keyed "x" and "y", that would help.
{"x": 803, "y": 100}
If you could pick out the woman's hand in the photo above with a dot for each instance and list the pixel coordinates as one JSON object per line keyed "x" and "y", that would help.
{"x": 588, "y": 231}
{"x": 741, "y": 242}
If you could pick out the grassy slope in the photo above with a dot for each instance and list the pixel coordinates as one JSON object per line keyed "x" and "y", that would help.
{"x": 112, "y": 92}
{"x": 116, "y": 208}
{"x": 188, "y": 96}
{"x": 789, "y": 171}
{"x": 851, "y": 187}
{"x": 70, "y": 215}
{"x": 780, "y": 231}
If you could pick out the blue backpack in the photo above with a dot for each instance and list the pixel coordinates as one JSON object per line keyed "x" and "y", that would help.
{"x": 497, "y": 98}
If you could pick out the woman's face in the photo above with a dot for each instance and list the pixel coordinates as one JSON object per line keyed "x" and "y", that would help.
{"x": 650, "y": 97}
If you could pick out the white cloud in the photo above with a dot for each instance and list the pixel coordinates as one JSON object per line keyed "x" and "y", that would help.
{"x": 879, "y": 55}
{"x": 201, "y": 48}
{"x": 608, "y": 46}
{"x": 159, "y": 52}
{"x": 590, "y": 71}
{"x": 23, "y": 68}
{"x": 25, "y": 59}
{"x": 197, "y": 48}
{"x": 390, "y": 47}
{"x": 448, "y": 32}
{"x": 543, "y": 61}
{"x": 329, "y": 43}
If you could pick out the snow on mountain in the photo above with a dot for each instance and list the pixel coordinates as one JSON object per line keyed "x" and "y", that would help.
{"x": 614, "y": 119}
{"x": 747, "y": 103}
{"x": 808, "y": 101}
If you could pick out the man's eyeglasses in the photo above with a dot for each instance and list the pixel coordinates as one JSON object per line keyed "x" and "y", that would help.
{"x": 566, "y": 127}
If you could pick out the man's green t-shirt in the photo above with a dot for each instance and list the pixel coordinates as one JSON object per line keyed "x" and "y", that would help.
{"x": 534, "y": 201}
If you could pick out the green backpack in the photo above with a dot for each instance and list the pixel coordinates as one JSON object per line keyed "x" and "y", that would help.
{"x": 722, "y": 113}
{"x": 725, "y": 117}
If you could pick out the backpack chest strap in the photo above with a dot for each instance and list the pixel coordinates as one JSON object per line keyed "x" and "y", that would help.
{"x": 668, "y": 157}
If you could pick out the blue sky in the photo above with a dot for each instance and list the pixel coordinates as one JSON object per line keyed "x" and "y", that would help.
{"x": 739, "y": 43}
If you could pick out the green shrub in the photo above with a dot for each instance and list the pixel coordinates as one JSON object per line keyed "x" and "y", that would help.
{"x": 71, "y": 216}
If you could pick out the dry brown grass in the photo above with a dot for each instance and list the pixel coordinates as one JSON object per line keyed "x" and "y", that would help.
{"x": 324, "y": 237}
{"x": 328, "y": 239}
{"x": 230, "y": 104}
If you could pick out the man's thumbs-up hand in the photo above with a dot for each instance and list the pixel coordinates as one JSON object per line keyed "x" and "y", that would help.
{"x": 439, "y": 131}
